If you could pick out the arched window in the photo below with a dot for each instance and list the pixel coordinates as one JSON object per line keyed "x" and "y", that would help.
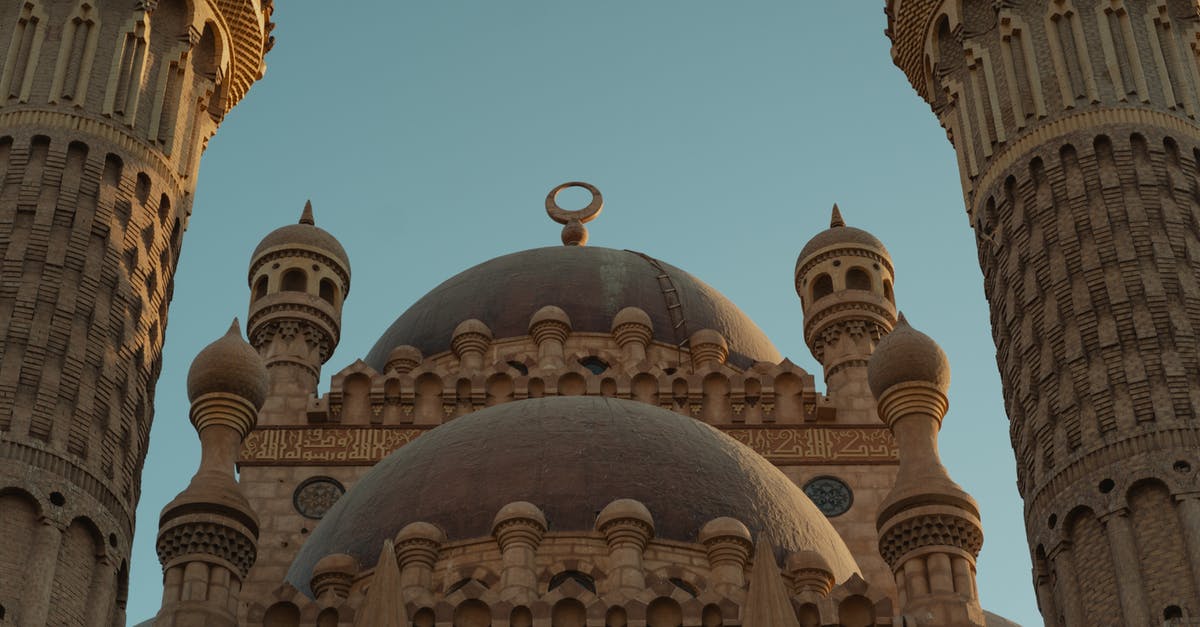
{"x": 282, "y": 614}
{"x": 887, "y": 291}
{"x": 327, "y": 291}
{"x": 664, "y": 612}
{"x": 822, "y": 287}
{"x": 856, "y": 611}
{"x": 472, "y": 613}
{"x": 858, "y": 279}
{"x": 260, "y": 287}
{"x": 327, "y": 618}
{"x": 568, "y": 613}
{"x": 294, "y": 280}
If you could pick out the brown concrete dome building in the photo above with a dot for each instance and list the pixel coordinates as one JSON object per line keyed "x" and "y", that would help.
{"x": 576, "y": 435}
{"x": 606, "y": 440}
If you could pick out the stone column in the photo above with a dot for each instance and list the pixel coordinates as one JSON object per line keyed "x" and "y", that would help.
{"x": 632, "y": 330}
{"x": 470, "y": 340}
{"x": 103, "y": 591}
{"x": 518, "y": 528}
{"x": 729, "y": 546}
{"x": 417, "y": 547}
{"x": 1189, "y": 520}
{"x": 43, "y": 561}
{"x": 1069, "y": 597}
{"x": 550, "y": 327}
{"x": 1128, "y": 570}
{"x": 627, "y": 527}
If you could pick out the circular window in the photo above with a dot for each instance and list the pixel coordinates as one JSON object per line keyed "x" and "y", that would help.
{"x": 316, "y": 495}
{"x": 831, "y": 495}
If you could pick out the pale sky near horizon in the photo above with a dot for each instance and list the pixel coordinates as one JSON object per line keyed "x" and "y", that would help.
{"x": 428, "y": 133}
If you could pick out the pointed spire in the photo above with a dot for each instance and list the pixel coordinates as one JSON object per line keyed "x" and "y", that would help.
{"x": 901, "y": 320}
{"x": 835, "y": 220}
{"x": 767, "y": 601}
{"x": 383, "y": 606}
{"x": 307, "y": 216}
{"x": 235, "y": 328}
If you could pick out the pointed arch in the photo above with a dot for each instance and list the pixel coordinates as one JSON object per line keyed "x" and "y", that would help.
{"x": 80, "y": 33}
{"x": 23, "y": 51}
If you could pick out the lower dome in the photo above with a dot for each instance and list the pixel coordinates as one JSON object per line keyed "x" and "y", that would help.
{"x": 571, "y": 456}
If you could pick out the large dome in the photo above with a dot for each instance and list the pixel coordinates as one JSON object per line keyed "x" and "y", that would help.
{"x": 571, "y": 456}
{"x": 590, "y": 284}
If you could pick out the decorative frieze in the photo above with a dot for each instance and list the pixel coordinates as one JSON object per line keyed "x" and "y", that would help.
{"x": 365, "y": 445}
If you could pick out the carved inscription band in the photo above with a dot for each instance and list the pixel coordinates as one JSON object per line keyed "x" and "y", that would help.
{"x": 364, "y": 446}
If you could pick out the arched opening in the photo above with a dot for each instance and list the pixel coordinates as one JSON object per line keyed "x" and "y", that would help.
{"x": 113, "y": 165}
{"x": 520, "y": 617}
{"x": 858, "y": 279}
{"x": 856, "y": 611}
{"x": 822, "y": 286}
{"x": 472, "y": 613}
{"x": 664, "y": 612}
{"x": 260, "y": 287}
{"x": 294, "y": 280}
{"x": 327, "y": 618}
{"x": 19, "y": 519}
{"x": 282, "y": 614}
{"x": 164, "y": 208}
{"x": 887, "y": 291}
{"x": 327, "y": 291}
{"x": 568, "y": 613}
{"x": 356, "y": 399}
{"x": 423, "y": 618}
{"x": 711, "y": 617}
{"x": 616, "y": 617}
{"x": 205, "y": 54}
{"x": 810, "y": 616}
{"x": 584, "y": 580}
{"x": 81, "y": 544}
{"x": 141, "y": 188}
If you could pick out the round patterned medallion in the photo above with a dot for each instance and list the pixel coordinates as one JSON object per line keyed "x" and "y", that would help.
{"x": 316, "y": 495}
{"x": 830, "y": 494}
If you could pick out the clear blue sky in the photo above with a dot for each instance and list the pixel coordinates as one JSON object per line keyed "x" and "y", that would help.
{"x": 428, "y": 133}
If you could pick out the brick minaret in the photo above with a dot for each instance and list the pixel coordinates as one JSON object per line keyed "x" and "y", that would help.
{"x": 1074, "y": 123}
{"x": 105, "y": 108}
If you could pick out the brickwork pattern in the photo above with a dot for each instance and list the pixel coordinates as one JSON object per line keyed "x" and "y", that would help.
{"x": 102, "y": 121}
{"x": 1094, "y": 566}
{"x": 1074, "y": 123}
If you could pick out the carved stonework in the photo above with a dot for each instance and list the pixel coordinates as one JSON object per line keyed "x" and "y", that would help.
{"x": 366, "y": 445}
{"x": 933, "y": 530}
{"x": 831, "y": 495}
{"x": 316, "y": 495}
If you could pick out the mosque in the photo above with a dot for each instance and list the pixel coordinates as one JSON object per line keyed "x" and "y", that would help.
{"x": 577, "y": 436}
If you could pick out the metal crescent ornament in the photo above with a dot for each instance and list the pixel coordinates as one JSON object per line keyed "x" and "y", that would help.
{"x": 574, "y": 233}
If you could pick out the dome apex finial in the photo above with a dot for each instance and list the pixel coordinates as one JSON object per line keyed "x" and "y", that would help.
{"x": 835, "y": 219}
{"x": 574, "y": 233}
{"x": 235, "y": 328}
{"x": 306, "y": 217}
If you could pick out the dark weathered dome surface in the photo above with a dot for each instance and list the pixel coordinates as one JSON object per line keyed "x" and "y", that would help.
{"x": 591, "y": 284}
{"x": 571, "y": 456}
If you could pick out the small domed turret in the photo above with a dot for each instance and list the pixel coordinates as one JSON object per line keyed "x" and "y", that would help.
{"x": 299, "y": 279}
{"x": 910, "y": 376}
{"x": 230, "y": 366}
{"x": 907, "y": 355}
{"x": 226, "y": 385}
{"x": 844, "y": 278}
{"x": 304, "y": 233}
